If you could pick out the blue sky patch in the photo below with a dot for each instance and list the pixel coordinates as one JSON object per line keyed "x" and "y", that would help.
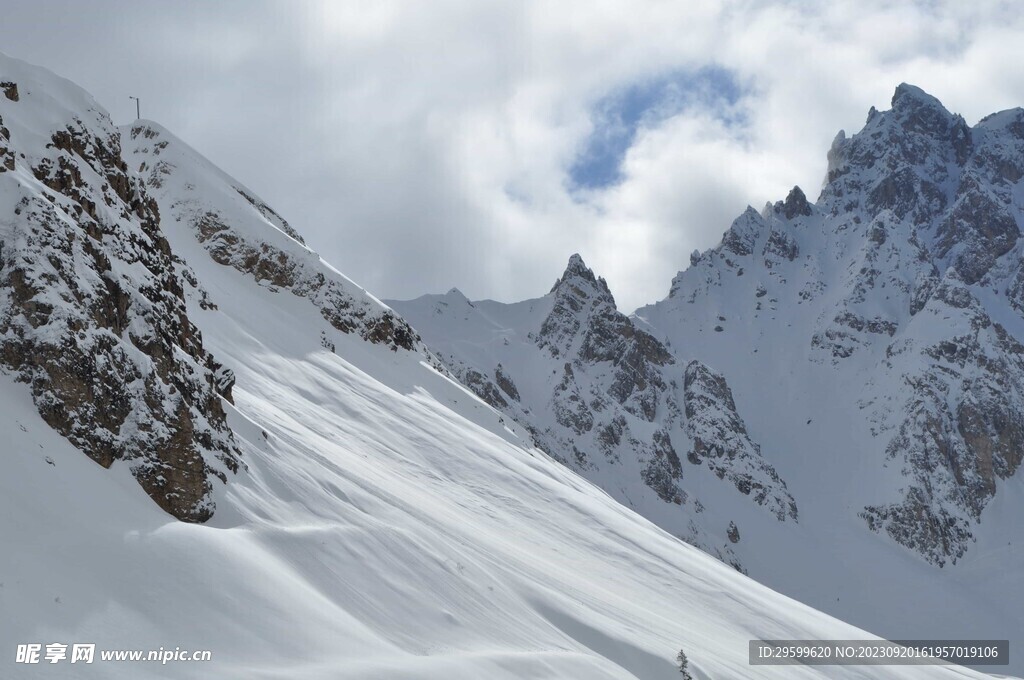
{"x": 618, "y": 115}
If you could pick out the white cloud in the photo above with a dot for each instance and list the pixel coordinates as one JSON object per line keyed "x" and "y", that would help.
{"x": 423, "y": 145}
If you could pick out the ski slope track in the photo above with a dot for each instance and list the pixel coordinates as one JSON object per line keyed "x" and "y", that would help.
{"x": 350, "y": 509}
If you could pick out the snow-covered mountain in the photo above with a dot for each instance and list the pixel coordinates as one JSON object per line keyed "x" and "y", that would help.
{"x": 907, "y": 272}
{"x": 611, "y": 401}
{"x": 354, "y": 512}
{"x": 831, "y": 399}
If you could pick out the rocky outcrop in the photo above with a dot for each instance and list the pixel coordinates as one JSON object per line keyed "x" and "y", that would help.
{"x": 661, "y": 468}
{"x": 612, "y": 373}
{"x": 796, "y": 204}
{"x": 961, "y": 430}
{"x": 936, "y": 174}
{"x": 779, "y": 245}
{"x": 977, "y": 230}
{"x": 504, "y": 381}
{"x": 742, "y": 236}
{"x": 585, "y": 325}
{"x": 733, "y": 532}
{"x": 569, "y": 405}
{"x": 92, "y": 313}
{"x": 270, "y": 215}
{"x": 481, "y": 386}
{"x": 6, "y": 152}
{"x": 721, "y": 442}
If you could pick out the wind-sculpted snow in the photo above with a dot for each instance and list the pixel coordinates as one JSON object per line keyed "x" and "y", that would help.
{"x": 92, "y": 314}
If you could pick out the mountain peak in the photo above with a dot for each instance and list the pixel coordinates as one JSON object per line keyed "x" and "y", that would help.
{"x": 907, "y": 94}
{"x": 577, "y": 266}
{"x": 918, "y": 111}
{"x": 458, "y": 297}
{"x": 796, "y": 204}
{"x": 911, "y": 139}
{"x": 575, "y": 269}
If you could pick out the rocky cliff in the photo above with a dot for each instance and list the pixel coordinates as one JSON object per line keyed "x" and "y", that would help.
{"x": 92, "y": 313}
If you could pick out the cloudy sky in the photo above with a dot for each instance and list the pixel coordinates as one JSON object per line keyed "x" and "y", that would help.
{"x": 424, "y": 145}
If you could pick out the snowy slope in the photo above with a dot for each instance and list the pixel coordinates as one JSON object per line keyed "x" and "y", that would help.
{"x": 376, "y": 534}
{"x": 385, "y": 523}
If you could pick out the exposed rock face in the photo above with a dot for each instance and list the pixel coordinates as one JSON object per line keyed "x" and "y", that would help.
{"x": 584, "y": 324}
{"x": 720, "y": 441}
{"x": 663, "y": 469}
{"x": 270, "y": 215}
{"x": 234, "y": 230}
{"x": 609, "y": 377}
{"x": 944, "y": 199}
{"x": 92, "y": 314}
{"x": 569, "y": 405}
{"x": 6, "y": 152}
{"x": 733, "y": 532}
{"x": 962, "y": 428}
{"x": 481, "y": 386}
{"x": 796, "y": 204}
{"x": 505, "y": 383}
{"x": 934, "y": 174}
{"x": 612, "y": 376}
{"x": 742, "y": 236}
{"x": 780, "y": 245}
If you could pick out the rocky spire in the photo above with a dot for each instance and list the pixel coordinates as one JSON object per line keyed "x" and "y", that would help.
{"x": 585, "y": 326}
{"x": 796, "y": 204}
{"x": 901, "y": 161}
{"x": 579, "y": 294}
{"x": 578, "y": 274}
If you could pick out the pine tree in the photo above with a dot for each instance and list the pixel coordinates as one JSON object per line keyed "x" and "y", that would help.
{"x": 683, "y": 664}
